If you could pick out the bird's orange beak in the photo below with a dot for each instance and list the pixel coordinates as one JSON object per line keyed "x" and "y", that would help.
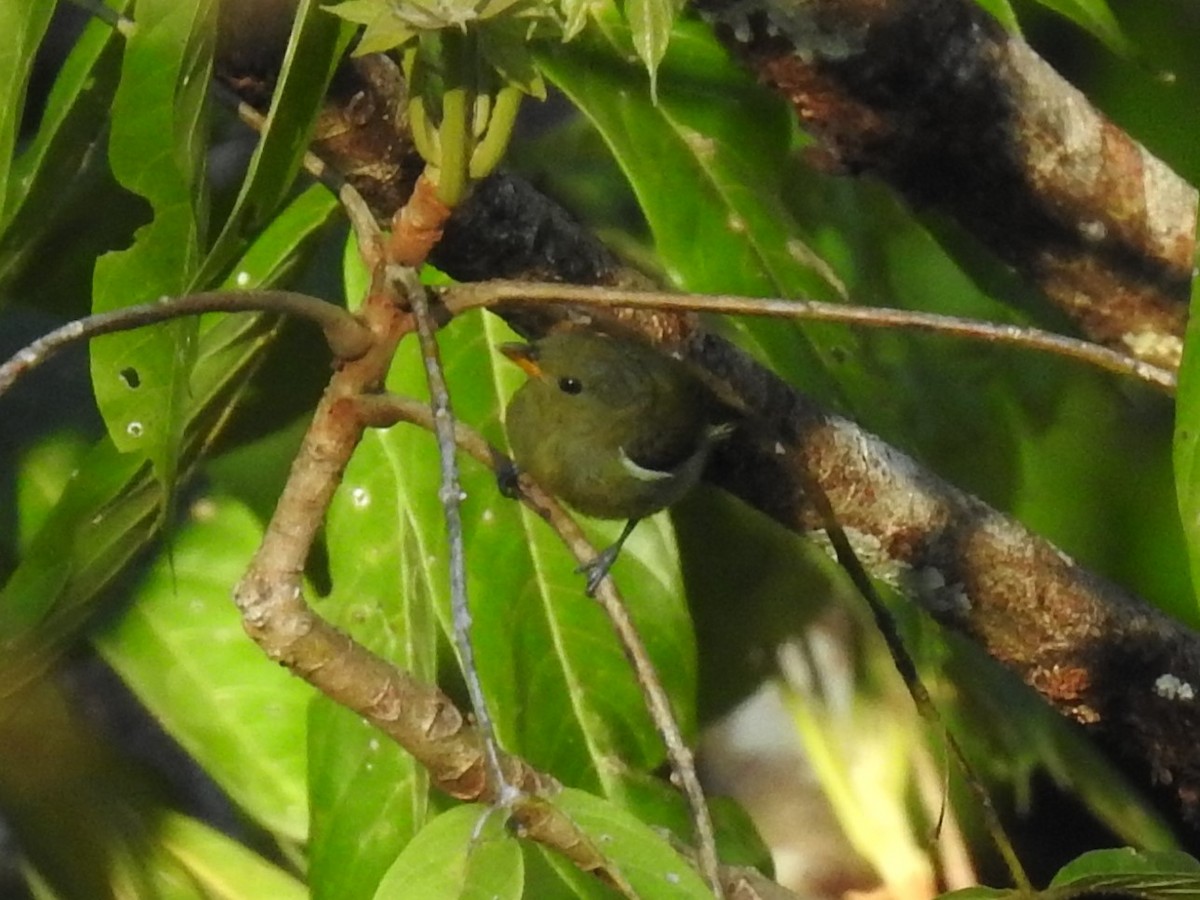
{"x": 525, "y": 356}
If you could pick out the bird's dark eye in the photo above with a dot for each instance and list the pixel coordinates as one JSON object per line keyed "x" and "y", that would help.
{"x": 569, "y": 385}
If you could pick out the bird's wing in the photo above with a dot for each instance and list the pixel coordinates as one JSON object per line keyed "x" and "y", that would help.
{"x": 641, "y": 473}
{"x": 664, "y": 449}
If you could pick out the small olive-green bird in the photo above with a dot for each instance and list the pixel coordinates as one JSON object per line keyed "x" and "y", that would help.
{"x": 610, "y": 426}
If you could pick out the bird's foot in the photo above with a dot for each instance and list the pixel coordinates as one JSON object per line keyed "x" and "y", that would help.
{"x": 507, "y": 477}
{"x": 597, "y": 569}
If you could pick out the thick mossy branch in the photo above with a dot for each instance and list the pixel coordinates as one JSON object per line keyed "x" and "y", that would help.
{"x": 957, "y": 114}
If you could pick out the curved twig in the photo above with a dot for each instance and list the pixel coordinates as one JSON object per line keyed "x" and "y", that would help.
{"x": 347, "y": 337}
{"x": 491, "y": 293}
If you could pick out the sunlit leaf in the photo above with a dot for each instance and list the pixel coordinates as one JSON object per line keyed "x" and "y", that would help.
{"x": 369, "y": 797}
{"x": 181, "y": 648}
{"x": 644, "y": 857}
{"x": 222, "y": 868}
{"x": 156, "y": 150}
{"x": 109, "y": 512}
{"x": 459, "y": 856}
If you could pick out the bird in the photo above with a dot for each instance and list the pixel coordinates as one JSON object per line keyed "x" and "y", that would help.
{"x": 612, "y": 427}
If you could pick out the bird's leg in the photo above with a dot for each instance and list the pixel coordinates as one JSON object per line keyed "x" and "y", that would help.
{"x": 598, "y": 567}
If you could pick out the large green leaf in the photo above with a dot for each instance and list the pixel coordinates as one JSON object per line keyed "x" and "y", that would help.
{"x": 23, "y": 25}
{"x": 181, "y": 649}
{"x": 156, "y": 149}
{"x": 45, "y": 172}
{"x": 368, "y": 796}
{"x": 109, "y": 510}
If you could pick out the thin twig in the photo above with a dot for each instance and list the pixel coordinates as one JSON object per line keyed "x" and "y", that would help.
{"x": 366, "y": 229}
{"x": 458, "y": 298}
{"x": 386, "y": 409}
{"x": 849, "y": 561}
{"x": 347, "y": 337}
{"x": 683, "y": 764}
{"x": 450, "y": 495}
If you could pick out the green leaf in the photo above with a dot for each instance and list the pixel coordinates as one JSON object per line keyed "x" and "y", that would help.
{"x": 103, "y": 519}
{"x": 368, "y": 796}
{"x": 1095, "y": 17}
{"x": 23, "y": 25}
{"x": 109, "y": 511}
{"x": 1002, "y": 12}
{"x": 156, "y": 150}
{"x": 650, "y": 24}
{"x": 1187, "y": 437}
{"x": 463, "y": 854}
{"x": 384, "y": 30}
{"x": 576, "y": 14}
{"x": 283, "y": 242}
{"x": 238, "y": 715}
{"x": 642, "y": 855}
{"x": 314, "y": 50}
{"x": 1153, "y": 876}
{"x": 45, "y": 172}
{"x": 221, "y": 868}
{"x": 43, "y": 473}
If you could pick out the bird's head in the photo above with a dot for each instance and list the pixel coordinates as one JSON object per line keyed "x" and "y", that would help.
{"x": 588, "y": 375}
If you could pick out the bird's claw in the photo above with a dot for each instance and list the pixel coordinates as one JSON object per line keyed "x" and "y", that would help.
{"x": 597, "y": 569}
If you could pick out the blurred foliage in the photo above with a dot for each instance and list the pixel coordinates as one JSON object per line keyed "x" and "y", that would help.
{"x": 113, "y": 195}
